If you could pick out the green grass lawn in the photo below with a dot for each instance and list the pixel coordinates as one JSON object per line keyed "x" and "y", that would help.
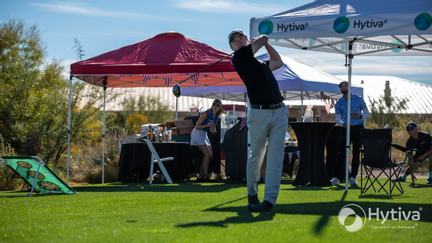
{"x": 205, "y": 213}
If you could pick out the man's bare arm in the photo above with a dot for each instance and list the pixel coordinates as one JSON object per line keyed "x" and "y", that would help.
{"x": 275, "y": 58}
{"x": 259, "y": 42}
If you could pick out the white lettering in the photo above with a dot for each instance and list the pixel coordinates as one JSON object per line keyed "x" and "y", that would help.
{"x": 384, "y": 216}
{"x": 415, "y": 216}
{"x": 371, "y": 214}
{"x": 393, "y": 214}
{"x": 405, "y": 216}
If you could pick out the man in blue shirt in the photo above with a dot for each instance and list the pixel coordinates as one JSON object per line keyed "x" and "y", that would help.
{"x": 359, "y": 113}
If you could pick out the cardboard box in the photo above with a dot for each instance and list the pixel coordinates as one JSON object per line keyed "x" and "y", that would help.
{"x": 183, "y": 126}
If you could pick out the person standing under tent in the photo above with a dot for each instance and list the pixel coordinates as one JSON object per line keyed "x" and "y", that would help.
{"x": 267, "y": 116}
{"x": 359, "y": 113}
{"x": 421, "y": 142}
{"x": 206, "y": 122}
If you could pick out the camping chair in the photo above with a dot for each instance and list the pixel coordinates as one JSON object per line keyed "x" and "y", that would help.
{"x": 376, "y": 154}
{"x": 156, "y": 159}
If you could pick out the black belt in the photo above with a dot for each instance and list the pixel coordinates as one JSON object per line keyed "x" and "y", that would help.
{"x": 268, "y": 107}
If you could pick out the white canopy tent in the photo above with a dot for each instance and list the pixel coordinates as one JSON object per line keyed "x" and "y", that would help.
{"x": 418, "y": 95}
{"x": 352, "y": 28}
{"x": 296, "y": 80}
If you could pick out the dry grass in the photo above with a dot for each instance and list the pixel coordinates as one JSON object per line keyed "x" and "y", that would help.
{"x": 400, "y": 136}
{"x": 87, "y": 161}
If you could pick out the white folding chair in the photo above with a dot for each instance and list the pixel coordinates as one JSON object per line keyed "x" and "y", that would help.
{"x": 155, "y": 158}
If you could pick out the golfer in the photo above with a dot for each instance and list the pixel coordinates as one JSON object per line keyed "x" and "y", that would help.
{"x": 267, "y": 117}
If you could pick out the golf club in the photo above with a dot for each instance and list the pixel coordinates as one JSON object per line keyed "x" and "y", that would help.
{"x": 177, "y": 89}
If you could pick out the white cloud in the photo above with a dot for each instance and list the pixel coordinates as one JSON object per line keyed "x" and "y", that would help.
{"x": 81, "y": 9}
{"x": 66, "y": 66}
{"x": 229, "y": 6}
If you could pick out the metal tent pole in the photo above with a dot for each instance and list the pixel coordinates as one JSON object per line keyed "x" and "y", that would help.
{"x": 103, "y": 130}
{"x": 234, "y": 112}
{"x": 69, "y": 128}
{"x": 301, "y": 108}
{"x": 348, "y": 124}
{"x": 176, "y": 114}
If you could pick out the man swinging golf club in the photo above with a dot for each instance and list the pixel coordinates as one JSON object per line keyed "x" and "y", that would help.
{"x": 267, "y": 117}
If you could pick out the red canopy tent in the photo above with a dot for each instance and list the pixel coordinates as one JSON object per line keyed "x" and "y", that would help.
{"x": 161, "y": 61}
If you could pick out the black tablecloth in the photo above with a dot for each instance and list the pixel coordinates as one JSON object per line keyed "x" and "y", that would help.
{"x": 312, "y": 137}
{"x": 335, "y": 147}
{"x": 235, "y": 148}
{"x": 134, "y": 163}
{"x": 215, "y": 138}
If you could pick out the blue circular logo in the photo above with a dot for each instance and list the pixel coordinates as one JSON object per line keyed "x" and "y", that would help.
{"x": 341, "y": 24}
{"x": 423, "y": 21}
{"x": 265, "y": 27}
{"x": 396, "y": 50}
{"x": 311, "y": 42}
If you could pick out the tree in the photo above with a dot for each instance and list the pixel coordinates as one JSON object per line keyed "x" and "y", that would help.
{"x": 384, "y": 110}
{"x": 154, "y": 109}
{"x": 142, "y": 110}
{"x": 31, "y": 93}
{"x": 34, "y": 96}
{"x": 79, "y": 49}
{"x": 134, "y": 122}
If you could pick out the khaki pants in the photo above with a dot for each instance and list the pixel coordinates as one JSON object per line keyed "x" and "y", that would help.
{"x": 266, "y": 130}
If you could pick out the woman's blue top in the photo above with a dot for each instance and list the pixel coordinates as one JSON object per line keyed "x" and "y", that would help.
{"x": 210, "y": 117}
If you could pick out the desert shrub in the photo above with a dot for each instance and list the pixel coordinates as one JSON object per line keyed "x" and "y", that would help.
{"x": 9, "y": 180}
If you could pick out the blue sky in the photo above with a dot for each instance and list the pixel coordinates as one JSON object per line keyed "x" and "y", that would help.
{"x": 104, "y": 25}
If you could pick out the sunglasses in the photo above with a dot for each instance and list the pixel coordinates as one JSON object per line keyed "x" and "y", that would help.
{"x": 217, "y": 105}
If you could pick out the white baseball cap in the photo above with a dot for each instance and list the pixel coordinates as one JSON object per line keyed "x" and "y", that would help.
{"x": 236, "y": 31}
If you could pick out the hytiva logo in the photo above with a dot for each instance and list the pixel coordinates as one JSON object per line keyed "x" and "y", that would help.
{"x": 265, "y": 27}
{"x": 423, "y": 21}
{"x": 341, "y": 24}
{"x": 394, "y": 214}
{"x": 352, "y": 210}
{"x": 348, "y": 211}
{"x": 369, "y": 24}
{"x": 291, "y": 27}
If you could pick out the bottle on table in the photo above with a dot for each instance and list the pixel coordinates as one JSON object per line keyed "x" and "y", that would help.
{"x": 164, "y": 135}
{"x": 150, "y": 133}
{"x": 169, "y": 135}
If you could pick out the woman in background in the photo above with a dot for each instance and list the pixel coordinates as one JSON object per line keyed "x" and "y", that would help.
{"x": 207, "y": 121}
